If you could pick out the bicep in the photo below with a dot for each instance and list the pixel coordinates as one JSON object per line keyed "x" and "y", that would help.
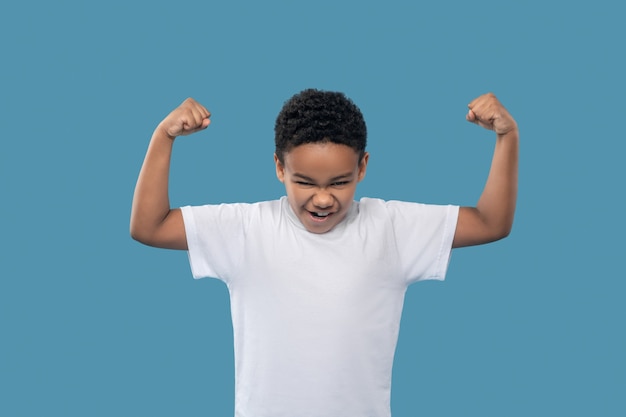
{"x": 472, "y": 229}
{"x": 170, "y": 234}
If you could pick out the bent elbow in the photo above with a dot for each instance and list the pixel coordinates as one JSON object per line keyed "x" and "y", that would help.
{"x": 504, "y": 235}
{"x": 144, "y": 239}
{"x": 136, "y": 235}
{"x": 503, "y": 232}
{"x": 139, "y": 234}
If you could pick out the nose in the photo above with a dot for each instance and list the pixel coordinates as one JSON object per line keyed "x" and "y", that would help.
{"x": 322, "y": 199}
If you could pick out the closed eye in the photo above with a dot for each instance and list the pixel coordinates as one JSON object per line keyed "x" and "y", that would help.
{"x": 340, "y": 183}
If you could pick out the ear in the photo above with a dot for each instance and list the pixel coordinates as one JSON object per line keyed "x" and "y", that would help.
{"x": 280, "y": 169}
{"x": 363, "y": 166}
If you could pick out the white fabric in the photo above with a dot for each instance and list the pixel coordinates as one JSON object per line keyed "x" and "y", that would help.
{"x": 316, "y": 316}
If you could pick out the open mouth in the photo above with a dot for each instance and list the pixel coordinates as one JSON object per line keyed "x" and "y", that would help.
{"x": 320, "y": 215}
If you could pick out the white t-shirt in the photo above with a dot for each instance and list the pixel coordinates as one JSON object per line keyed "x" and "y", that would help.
{"x": 316, "y": 316}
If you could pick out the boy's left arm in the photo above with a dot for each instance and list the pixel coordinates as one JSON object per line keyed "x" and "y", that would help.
{"x": 492, "y": 218}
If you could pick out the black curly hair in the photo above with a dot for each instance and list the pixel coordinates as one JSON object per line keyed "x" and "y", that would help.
{"x": 319, "y": 116}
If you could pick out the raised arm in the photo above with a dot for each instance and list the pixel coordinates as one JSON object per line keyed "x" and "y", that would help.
{"x": 492, "y": 218}
{"x": 152, "y": 221}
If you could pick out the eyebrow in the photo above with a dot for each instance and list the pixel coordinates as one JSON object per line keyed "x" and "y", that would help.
{"x": 309, "y": 179}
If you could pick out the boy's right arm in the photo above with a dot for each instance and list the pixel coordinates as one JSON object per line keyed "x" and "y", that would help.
{"x": 152, "y": 221}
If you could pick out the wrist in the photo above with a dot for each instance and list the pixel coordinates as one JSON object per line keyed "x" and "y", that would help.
{"x": 512, "y": 132}
{"x": 161, "y": 131}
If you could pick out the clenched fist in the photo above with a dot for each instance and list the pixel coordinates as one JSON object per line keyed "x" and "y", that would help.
{"x": 188, "y": 118}
{"x": 486, "y": 111}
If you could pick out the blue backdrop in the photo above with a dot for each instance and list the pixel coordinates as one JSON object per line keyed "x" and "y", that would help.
{"x": 95, "y": 324}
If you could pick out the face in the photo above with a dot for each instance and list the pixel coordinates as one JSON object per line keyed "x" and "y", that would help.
{"x": 320, "y": 180}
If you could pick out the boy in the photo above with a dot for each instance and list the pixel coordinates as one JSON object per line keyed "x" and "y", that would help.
{"x": 317, "y": 280}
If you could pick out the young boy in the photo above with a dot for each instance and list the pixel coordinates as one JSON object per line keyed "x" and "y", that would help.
{"x": 317, "y": 280}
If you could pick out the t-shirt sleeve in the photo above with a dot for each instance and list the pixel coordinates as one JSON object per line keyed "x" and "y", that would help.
{"x": 215, "y": 238}
{"x": 424, "y": 235}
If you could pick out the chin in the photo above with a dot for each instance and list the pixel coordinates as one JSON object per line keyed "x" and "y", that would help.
{"x": 319, "y": 231}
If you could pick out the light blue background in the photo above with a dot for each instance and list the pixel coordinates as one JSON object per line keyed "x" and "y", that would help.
{"x": 95, "y": 324}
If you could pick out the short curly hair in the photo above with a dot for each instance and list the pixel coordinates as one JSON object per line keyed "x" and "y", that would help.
{"x": 313, "y": 116}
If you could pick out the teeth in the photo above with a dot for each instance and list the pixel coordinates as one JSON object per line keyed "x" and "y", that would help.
{"x": 321, "y": 214}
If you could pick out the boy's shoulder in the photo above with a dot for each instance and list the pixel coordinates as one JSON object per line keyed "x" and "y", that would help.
{"x": 382, "y": 204}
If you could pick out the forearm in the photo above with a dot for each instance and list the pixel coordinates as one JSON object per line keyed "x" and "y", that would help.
{"x": 151, "y": 199}
{"x": 496, "y": 206}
